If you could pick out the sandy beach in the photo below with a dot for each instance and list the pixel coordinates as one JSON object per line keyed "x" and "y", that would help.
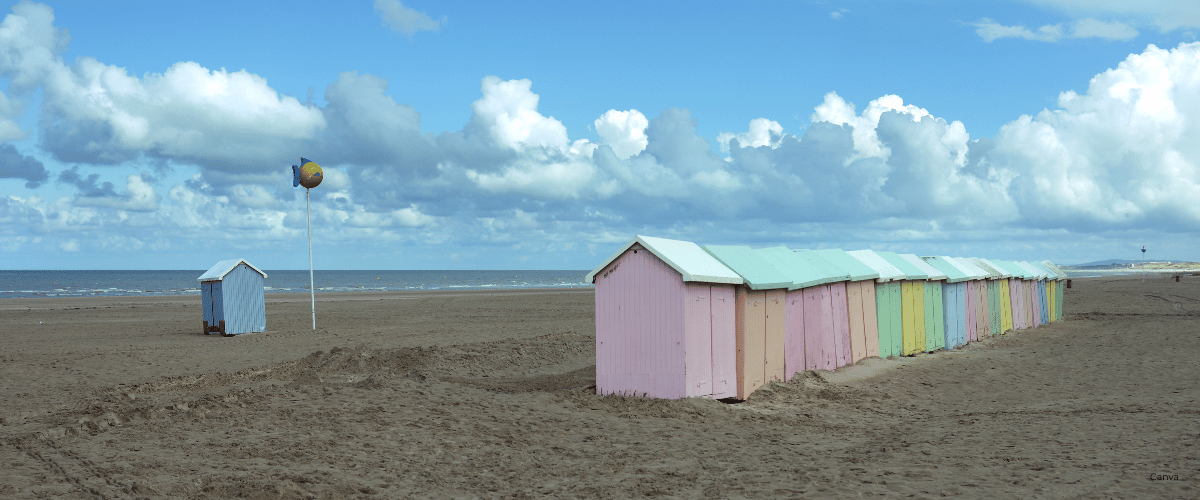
{"x": 491, "y": 395}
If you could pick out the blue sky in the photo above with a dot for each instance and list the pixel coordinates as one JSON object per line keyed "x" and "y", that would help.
{"x": 543, "y": 135}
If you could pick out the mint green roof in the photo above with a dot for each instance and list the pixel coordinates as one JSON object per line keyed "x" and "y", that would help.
{"x": 854, "y": 268}
{"x": 953, "y": 273}
{"x": 972, "y": 271}
{"x": 756, "y": 272}
{"x": 1016, "y": 271}
{"x": 932, "y": 272}
{"x": 910, "y": 271}
{"x": 814, "y": 259}
{"x": 800, "y": 270}
{"x": 685, "y": 257}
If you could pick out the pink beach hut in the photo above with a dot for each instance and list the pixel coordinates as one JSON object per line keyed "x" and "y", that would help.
{"x": 665, "y": 321}
{"x": 860, "y": 298}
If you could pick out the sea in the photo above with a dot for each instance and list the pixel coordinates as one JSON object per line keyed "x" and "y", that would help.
{"x": 30, "y": 284}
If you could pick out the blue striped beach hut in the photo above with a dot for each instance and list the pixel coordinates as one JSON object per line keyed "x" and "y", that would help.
{"x": 232, "y": 297}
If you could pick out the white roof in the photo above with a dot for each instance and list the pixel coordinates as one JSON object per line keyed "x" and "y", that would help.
{"x": 887, "y": 272}
{"x": 933, "y": 272}
{"x": 1062, "y": 275}
{"x": 1037, "y": 273}
{"x": 218, "y": 271}
{"x": 994, "y": 267}
{"x": 685, "y": 257}
{"x": 971, "y": 270}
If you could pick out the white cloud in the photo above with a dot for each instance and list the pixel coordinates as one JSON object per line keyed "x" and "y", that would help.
{"x": 762, "y": 132}
{"x": 623, "y": 131}
{"x": 106, "y": 115}
{"x": 1167, "y": 15}
{"x": 837, "y": 111}
{"x": 990, "y": 30}
{"x": 509, "y": 111}
{"x": 1124, "y": 153}
{"x": 405, "y": 20}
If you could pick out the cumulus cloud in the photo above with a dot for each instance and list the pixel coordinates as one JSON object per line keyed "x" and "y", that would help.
{"x": 623, "y": 131}
{"x": 1121, "y": 155}
{"x": 97, "y": 113}
{"x": 990, "y": 30}
{"x": 405, "y": 20}
{"x": 763, "y": 132}
{"x": 14, "y": 165}
{"x": 1125, "y": 153}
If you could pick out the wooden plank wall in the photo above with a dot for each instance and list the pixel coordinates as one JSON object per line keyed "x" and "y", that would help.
{"x": 1006, "y": 320}
{"x": 935, "y": 322}
{"x": 773, "y": 326}
{"x": 819, "y": 347}
{"x": 724, "y": 341}
{"x": 839, "y": 313}
{"x": 794, "y": 335}
{"x": 889, "y": 304}
{"x": 640, "y": 305}
{"x": 751, "y": 310}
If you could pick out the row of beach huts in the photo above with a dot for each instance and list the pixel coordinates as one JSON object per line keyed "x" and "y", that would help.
{"x": 675, "y": 320}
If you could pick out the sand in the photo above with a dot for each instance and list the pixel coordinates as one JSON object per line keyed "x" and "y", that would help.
{"x": 491, "y": 394}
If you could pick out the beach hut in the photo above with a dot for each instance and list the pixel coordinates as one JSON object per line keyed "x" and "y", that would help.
{"x": 935, "y": 319}
{"x": 860, "y": 298}
{"x": 913, "y": 297}
{"x": 759, "y": 316}
{"x": 954, "y": 301}
{"x": 995, "y": 306}
{"x": 816, "y": 331}
{"x": 1002, "y": 294}
{"x": 664, "y": 321}
{"x": 889, "y": 302}
{"x": 232, "y": 298}
{"x": 1041, "y": 312}
{"x": 1059, "y": 282}
{"x": 978, "y": 326}
{"x": 1022, "y": 316}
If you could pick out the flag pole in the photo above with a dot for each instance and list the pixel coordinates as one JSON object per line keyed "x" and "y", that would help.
{"x": 312, "y": 292}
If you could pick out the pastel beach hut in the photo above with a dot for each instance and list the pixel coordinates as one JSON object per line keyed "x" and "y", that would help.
{"x": 759, "y": 317}
{"x": 1059, "y": 282}
{"x": 664, "y": 321}
{"x": 1022, "y": 315}
{"x": 954, "y": 301}
{"x": 232, "y": 296}
{"x": 889, "y": 302}
{"x": 978, "y": 325}
{"x": 1002, "y": 292}
{"x": 913, "y": 297}
{"x": 860, "y": 298}
{"x": 1041, "y": 312}
{"x": 935, "y": 319}
{"x": 995, "y": 307}
{"x": 816, "y": 331}
{"x": 1027, "y": 293}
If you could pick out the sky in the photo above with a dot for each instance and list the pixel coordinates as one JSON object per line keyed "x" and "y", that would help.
{"x": 545, "y": 135}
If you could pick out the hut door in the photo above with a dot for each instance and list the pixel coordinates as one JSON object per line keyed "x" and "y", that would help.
{"x": 214, "y": 311}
